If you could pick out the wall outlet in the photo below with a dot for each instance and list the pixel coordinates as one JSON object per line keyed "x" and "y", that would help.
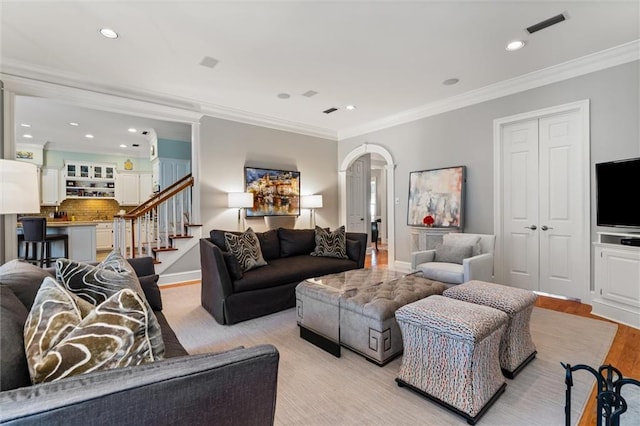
{"x": 397, "y": 200}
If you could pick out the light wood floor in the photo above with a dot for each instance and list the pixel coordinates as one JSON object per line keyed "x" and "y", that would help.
{"x": 625, "y": 349}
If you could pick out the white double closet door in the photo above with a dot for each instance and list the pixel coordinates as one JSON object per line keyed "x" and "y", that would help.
{"x": 544, "y": 229}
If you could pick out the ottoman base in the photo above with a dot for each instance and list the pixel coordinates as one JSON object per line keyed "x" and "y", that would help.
{"x": 512, "y": 374}
{"x": 472, "y": 420}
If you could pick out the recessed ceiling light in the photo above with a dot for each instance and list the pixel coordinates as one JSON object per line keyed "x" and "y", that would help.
{"x": 284, "y": 95}
{"x": 88, "y": 136}
{"x": 25, "y": 125}
{"x": 132, "y": 130}
{"x": 122, "y": 145}
{"x": 27, "y": 136}
{"x": 450, "y": 81}
{"x": 73, "y": 124}
{"x": 350, "y": 107}
{"x": 515, "y": 45}
{"x": 108, "y": 33}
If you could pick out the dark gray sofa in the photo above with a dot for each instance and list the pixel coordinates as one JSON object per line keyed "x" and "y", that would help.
{"x": 231, "y": 295}
{"x": 181, "y": 389}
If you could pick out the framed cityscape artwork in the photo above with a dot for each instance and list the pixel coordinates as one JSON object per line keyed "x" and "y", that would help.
{"x": 438, "y": 193}
{"x": 275, "y": 192}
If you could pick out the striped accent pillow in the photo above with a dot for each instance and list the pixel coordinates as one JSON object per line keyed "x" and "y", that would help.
{"x": 246, "y": 248}
{"x": 65, "y": 335}
{"x": 97, "y": 283}
{"x": 331, "y": 244}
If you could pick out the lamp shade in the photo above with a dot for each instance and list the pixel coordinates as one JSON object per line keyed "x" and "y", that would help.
{"x": 311, "y": 202}
{"x": 239, "y": 200}
{"x": 19, "y": 189}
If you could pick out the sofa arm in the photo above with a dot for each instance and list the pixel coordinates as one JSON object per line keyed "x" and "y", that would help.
{"x": 479, "y": 267}
{"x": 216, "y": 282}
{"x": 423, "y": 256}
{"x": 194, "y": 390}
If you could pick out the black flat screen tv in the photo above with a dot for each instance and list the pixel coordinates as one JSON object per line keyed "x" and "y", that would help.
{"x": 617, "y": 184}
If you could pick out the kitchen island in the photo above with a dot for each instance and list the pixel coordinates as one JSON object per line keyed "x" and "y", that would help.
{"x": 82, "y": 239}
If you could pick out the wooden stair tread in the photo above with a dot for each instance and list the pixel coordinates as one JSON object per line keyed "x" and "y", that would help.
{"x": 156, "y": 250}
{"x": 192, "y": 224}
{"x": 175, "y": 237}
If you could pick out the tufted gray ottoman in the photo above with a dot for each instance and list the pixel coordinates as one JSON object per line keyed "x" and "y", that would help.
{"x": 517, "y": 348}
{"x": 451, "y": 353}
{"x": 356, "y": 310}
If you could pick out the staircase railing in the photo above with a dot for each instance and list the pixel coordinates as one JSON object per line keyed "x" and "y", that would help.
{"x": 150, "y": 226}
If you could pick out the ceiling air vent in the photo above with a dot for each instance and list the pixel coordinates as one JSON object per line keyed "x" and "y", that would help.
{"x": 145, "y": 132}
{"x": 546, "y": 23}
{"x": 309, "y": 93}
{"x": 330, "y": 110}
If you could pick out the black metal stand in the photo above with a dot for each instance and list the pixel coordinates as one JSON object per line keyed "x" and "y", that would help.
{"x": 611, "y": 404}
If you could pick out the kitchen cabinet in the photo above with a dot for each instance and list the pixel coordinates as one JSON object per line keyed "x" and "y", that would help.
{"x": 49, "y": 186}
{"x": 89, "y": 180}
{"x": 127, "y": 189}
{"x": 133, "y": 188}
{"x": 104, "y": 236}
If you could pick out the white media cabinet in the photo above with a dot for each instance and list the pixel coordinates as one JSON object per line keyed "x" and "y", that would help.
{"x": 617, "y": 279}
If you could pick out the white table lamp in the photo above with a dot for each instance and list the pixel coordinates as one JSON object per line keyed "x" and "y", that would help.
{"x": 240, "y": 201}
{"x": 311, "y": 202}
{"x": 19, "y": 188}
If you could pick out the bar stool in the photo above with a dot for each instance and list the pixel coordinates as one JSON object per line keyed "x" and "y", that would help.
{"x": 35, "y": 235}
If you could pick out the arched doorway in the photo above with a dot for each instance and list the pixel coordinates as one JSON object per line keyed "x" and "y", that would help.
{"x": 352, "y": 156}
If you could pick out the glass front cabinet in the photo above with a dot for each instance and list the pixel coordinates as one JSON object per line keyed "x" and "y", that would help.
{"x": 89, "y": 180}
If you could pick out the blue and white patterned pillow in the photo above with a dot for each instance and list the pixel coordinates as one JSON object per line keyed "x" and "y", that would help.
{"x": 246, "y": 249}
{"x": 331, "y": 244}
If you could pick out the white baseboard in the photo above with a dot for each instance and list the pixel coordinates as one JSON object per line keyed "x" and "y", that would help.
{"x": 402, "y": 266}
{"x": 179, "y": 277}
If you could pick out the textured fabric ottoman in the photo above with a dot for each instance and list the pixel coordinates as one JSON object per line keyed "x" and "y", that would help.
{"x": 451, "y": 352}
{"x": 367, "y": 322}
{"x": 517, "y": 348}
{"x": 359, "y": 316}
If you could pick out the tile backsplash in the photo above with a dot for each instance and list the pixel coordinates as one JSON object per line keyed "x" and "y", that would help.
{"x": 85, "y": 210}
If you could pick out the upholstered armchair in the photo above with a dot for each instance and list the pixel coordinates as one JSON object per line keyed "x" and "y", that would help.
{"x": 460, "y": 258}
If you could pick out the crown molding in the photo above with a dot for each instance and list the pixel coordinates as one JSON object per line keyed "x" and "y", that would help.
{"x": 96, "y": 149}
{"x": 608, "y": 58}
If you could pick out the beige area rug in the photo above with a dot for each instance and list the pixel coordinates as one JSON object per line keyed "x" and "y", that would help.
{"x": 315, "y": 388}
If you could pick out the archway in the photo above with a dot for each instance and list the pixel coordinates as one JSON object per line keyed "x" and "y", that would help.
{"x": 356, "y": 153}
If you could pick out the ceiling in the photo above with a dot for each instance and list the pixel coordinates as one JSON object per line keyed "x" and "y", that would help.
{"x": 384, "y": 57}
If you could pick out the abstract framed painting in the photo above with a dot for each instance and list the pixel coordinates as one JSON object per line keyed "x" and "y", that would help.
{"x": 438, "y": 193}
{"x": 275, "y": 192}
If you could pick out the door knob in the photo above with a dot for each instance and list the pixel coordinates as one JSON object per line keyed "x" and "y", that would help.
{"x": 545, "y": 227}
{"x": 532, "y": 227}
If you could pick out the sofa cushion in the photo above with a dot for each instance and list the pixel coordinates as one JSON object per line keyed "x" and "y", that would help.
{"x": 353, "y": 249}
{"x": 246, "y": 248}
{"x": 291, "y": 269}
{"x": 460, "y": 239}
{"x": 149, "y": 284}
{"x": 96, "y": 283}
{"x": 233, "y": 267}
{"x": 217, "y": 238}
{"x": 23, "y": 279}
{"x": 269, "y": 244}
{"x": 452, "y": 273}
{"x": 63, "y": 339}
{"x": 294, "y": 242}
{"x": 330, "y": 244}
{"x": 452, "y": 253}
{"x": 14, "y": 372}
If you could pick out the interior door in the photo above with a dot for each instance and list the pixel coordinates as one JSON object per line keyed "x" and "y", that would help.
{"x": 520, "y": 165}
{"x": 561, "y": 209}
{"x": 357, "y": 191}
{"x": 543, "y": 208}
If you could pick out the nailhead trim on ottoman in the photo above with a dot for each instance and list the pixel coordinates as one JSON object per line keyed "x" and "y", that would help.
{"x": 451, "y": 353}
{"x": 517, "y": 348}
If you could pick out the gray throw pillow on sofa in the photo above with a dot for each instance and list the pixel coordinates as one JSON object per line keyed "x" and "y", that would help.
{"x": 23, "y": 279}
{"x": 14, "y": 371}
{"x": 246, "y": 248}
{"x": 331, "y": 244}
{"x": 452, "y": 253}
